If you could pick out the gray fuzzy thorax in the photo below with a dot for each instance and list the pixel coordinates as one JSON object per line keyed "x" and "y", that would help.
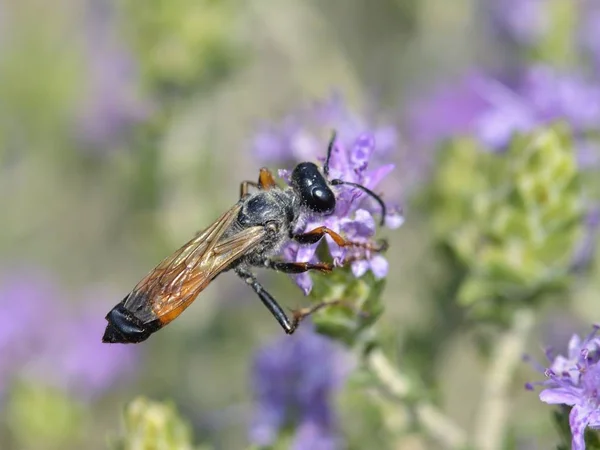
{"x": 280, "y": 209}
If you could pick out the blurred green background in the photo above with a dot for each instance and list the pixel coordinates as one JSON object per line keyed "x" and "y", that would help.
{"x": 127, "y": 126}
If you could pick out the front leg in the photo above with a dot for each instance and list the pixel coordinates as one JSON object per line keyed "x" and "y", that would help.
{"x": 297, "y": 267}
{"x": 314, "y": 236}
{"x": 244, "y": 186}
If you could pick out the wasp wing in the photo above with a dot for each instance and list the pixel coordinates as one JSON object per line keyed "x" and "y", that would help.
{"x": 174, "y": 284}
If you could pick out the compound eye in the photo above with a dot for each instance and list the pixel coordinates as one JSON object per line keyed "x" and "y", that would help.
{"x": 322, "y": 200}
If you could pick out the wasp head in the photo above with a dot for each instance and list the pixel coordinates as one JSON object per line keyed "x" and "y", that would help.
{"x": 313, "y": 189}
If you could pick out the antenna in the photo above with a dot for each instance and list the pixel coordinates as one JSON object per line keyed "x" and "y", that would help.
{"x": 368, "y": 191}
{"x": 329, "y": 150}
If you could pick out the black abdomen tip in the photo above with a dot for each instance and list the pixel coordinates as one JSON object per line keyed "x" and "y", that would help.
{"x": 124, "y": 328}
{"x": 112, "y": 336}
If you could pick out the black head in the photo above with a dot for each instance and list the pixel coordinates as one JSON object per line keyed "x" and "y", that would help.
{"x": 313, "y": 189}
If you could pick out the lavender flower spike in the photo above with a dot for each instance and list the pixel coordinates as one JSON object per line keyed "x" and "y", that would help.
{"x": 354, "y": 214}
{"x": 361, "y": 154}
{"x": 45, "y": 339}
{"x": 574, "y": 380}
{"x": 112, "y": 103}
{"x": 294, "y": 379}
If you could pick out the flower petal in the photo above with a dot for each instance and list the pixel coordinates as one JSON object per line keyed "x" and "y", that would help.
{"x": 374, "y": 177}
{"x": 495, "y": 127}
{"x": 306, "y": 252}
{"x": 379, "y": 266}
{"x": 559, "y": 396}
{"x": 362, "y": 150}
{"x": 340, "y": 162}
{"x": 594, "y": 419}
{"x": 578, "y": 420}
{"x": 359, "y": 268}
{"x": 394, "y": 220}
{"x": 304, "y": 282}
{"x": 265, "y": 425}
{"x": 315, "y": 436}
{"x": 362, "y": 226}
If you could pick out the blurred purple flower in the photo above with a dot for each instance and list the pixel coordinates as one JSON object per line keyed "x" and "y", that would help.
{"x": 23, "y": 298}
{"x": 112, "y": 103}
{"x": 493, "y": 110}
{"x": 295, "y": 139}
{"x": 357, "y": 157}
{"x": 45, "y": 339}
{"x": 449, "y": 110}
{"x": 589, "y": 31}
{"x": 574, "y": 380}
{"x": 526, "y": 23}
{"x": 523, "y": 22}
{"x": 584, "y": 253}
{"x": 294, "y": 379}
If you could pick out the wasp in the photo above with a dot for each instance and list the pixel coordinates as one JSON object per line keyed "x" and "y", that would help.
{"x": 249, "y": 235}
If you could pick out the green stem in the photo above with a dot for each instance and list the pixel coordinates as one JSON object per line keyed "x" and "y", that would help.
{"x": 489, "y": 431}
{"x": 434, "y": 421}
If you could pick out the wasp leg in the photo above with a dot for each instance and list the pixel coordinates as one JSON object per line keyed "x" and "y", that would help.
{"x": 266, "y": 180}
{"x": 314, "y": 236}
{"x": 244, "y": 187}
{"x": 297, "y": 267}
{"x": 277, "y": 311}
{"x": 289, "y": 326}
{"x": 300, "y": 314}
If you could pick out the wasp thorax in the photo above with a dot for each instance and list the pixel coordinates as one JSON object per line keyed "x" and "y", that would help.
{"x": 313, "y": 188}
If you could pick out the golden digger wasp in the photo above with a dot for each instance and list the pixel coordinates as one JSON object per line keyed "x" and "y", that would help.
{"x": 247, "y": 235}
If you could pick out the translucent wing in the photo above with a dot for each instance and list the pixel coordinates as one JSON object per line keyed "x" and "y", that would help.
{"x": 175, "y": 283}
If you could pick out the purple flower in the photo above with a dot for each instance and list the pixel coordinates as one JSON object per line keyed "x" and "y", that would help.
{"x": 584, "y": 253}
{"x": 574, "y": 380}
{"x": 357, "y": 157}
{"x": 46, "y": 339}
{"x": 294, "y": 379}
{"x": 523, "y": 22}
{"x": 493, "y": 110}
{"x": 478, "y": 105}
{"x": 111, "y": 104}
{"x": 527, "y": 23}
{"x": 295, "y": 139}
{"x": 25, "y": 310}
{"x": 589, "y": 31}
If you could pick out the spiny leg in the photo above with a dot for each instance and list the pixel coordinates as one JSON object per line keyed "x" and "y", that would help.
{"x": 298, "y": 315}
{"x": 244, "y": 185}
{"x": 289, "y": 326}
{"x": 314, "y": 236}
{"x": 267, "y": 299}
{"x": 297, "y": 267}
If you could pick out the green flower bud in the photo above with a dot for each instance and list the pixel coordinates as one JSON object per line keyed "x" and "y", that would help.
{"x": 151, "y": 425}
{"x": 360, "y": 305}
{"x": 511, "y": 219}
{"x": 182, "y": 43}
{"x": 42, "y": 417}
